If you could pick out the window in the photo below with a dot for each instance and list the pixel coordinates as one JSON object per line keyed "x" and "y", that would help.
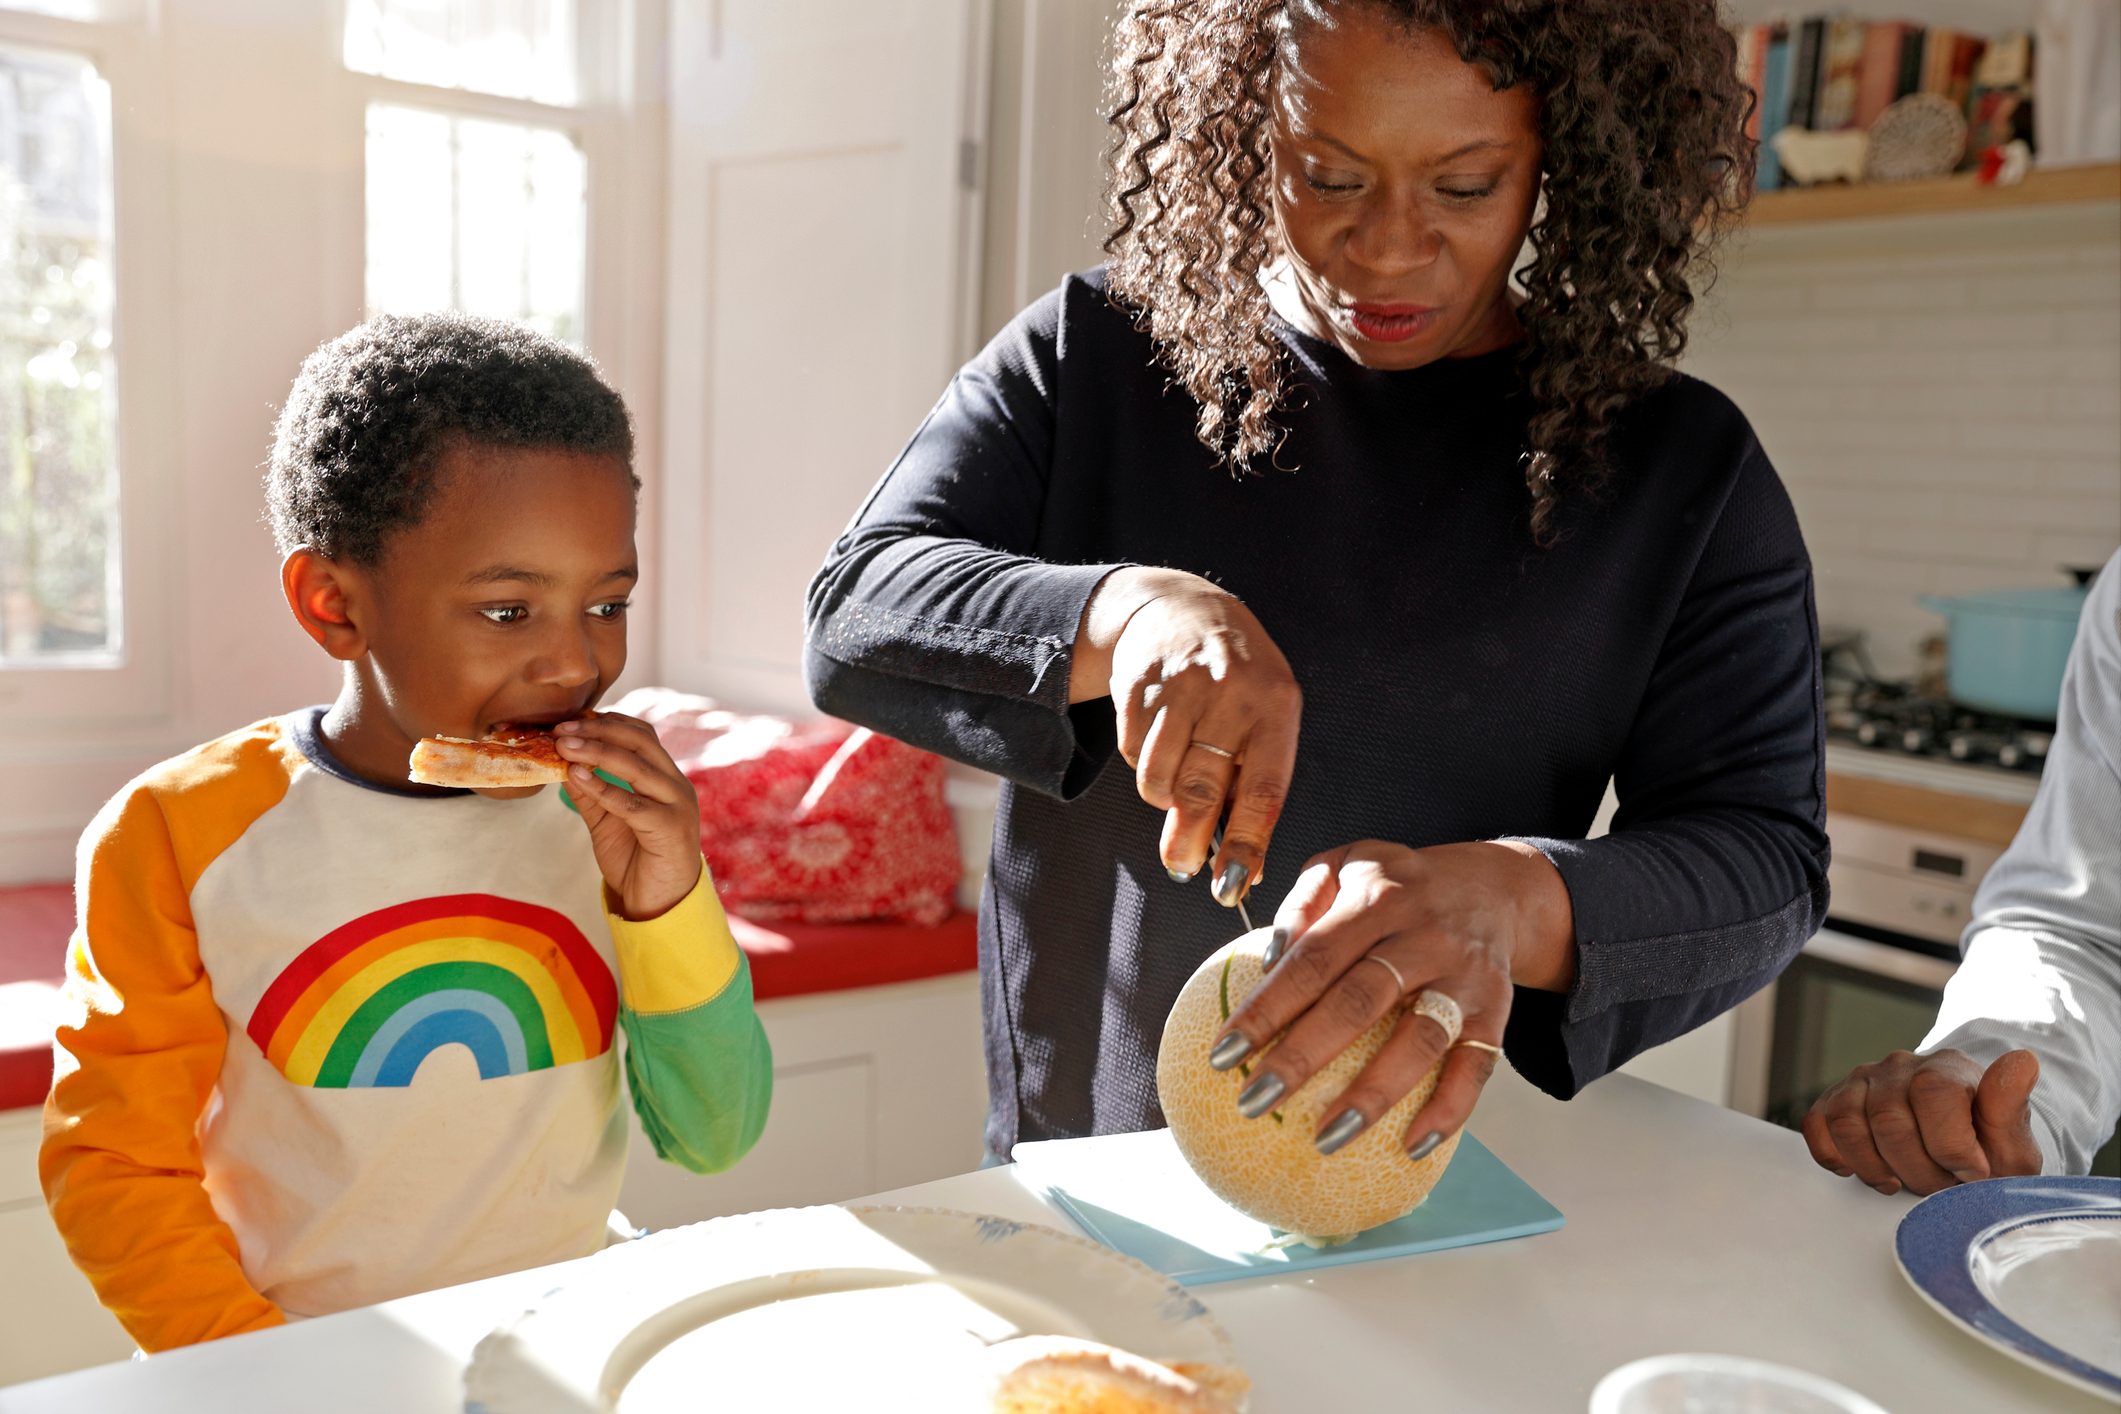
{"x": 58, "y": 391}
{"x": 466, "y": 213}
{"x": 477, "y": 185}
{"x": 511, "y": 48}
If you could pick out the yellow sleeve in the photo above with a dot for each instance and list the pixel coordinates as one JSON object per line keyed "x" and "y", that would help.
{"x": 679, "y": 959}
{"x": 136, "y": 1060}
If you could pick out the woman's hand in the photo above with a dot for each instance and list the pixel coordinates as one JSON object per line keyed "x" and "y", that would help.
{"x": 1208, "y": 713}
{"x": 1367, "y": 929}
{"x": 1928, "y": 1122}
{"x": 647, "y": 840}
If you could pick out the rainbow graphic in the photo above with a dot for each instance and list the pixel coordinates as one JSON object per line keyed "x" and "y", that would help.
{"x": 516, "y": 984}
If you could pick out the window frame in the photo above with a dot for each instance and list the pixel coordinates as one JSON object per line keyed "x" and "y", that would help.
{"x": 131, "y": 686}
{"x": 618, "y": 120}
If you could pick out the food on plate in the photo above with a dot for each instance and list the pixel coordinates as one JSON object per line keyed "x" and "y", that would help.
{"x": 1047, "y": 1374}
{"x": 512, "y": 754}
{"x": 1269, "y": 1168}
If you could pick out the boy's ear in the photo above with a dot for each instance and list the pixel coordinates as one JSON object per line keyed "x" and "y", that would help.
{"x": 316, "y": 589}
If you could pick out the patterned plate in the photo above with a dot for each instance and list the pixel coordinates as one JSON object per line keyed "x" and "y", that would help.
{"x": 2030, "y": 1265}
{"x": 873, "y": 1308}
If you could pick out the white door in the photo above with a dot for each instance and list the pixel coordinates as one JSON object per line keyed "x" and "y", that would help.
{"x": 823, "y": 253}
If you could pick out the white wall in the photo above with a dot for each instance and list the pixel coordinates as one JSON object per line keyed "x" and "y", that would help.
{"x": 1941, "y": 394}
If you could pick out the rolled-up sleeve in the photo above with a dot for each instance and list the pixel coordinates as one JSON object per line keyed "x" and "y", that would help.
{"x": 1714, "y": 873}
{"x": 934, "y": 620}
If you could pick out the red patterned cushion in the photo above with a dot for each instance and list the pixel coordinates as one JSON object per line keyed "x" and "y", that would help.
{"x": 811, "y": 822}
{"x": 35, "y": 921}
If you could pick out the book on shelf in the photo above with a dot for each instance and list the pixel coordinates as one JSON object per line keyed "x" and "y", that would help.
{"x": 1807, "y": 40}
{"x": 1774, "y": 104}
{"x": 2000, "y": 107}
{"x": 1840, "y": 66}
{"x": 1827, "y": 72}
{"x": 1878, "y": 71}
{"x": 1912, "y": 42}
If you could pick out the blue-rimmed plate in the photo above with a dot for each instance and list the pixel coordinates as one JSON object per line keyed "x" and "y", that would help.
{"x": 2030, "y": 1265}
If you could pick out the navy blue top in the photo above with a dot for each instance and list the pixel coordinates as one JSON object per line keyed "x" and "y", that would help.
{"x": 1459, "y": 684}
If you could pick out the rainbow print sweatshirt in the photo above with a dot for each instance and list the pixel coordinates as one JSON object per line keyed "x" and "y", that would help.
{"x": 329, "y": 1043}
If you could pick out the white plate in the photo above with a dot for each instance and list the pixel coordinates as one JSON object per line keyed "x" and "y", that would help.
{"x": 873, "y": 1308}
{"x": 2030, "y": 1265}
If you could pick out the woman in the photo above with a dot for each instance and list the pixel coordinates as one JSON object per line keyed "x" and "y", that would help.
{"x": 1295, "y": 513}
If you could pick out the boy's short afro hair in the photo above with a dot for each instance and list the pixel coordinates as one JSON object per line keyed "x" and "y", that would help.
{"x": 373, "y": 411}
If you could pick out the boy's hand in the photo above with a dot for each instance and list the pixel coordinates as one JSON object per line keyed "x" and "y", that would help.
{"x": 647, "y": 842}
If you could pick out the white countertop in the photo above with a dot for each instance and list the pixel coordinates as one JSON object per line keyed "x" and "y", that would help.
{"x": 1689, "y": 1228}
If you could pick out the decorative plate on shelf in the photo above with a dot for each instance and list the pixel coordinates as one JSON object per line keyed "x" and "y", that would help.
{"x": 872, "y": 1308}
{"x": 2030, "y": 1265}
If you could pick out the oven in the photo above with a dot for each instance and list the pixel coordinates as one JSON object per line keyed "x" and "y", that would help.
{"x": 1870, "y": 981}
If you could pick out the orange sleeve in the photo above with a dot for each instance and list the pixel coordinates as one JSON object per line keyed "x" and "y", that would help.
{"x": 136, "y": 1060}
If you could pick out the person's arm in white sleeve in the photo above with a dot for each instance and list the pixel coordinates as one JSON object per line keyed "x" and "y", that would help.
{"x": 2042, "y": 957}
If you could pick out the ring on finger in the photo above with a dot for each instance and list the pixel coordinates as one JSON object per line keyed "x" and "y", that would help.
{"x": 1212, "y": 749}
{"x": 1468, "y": 1043}
{"x": 1443, "y": 1009}
{"x": 1386, "y": 964}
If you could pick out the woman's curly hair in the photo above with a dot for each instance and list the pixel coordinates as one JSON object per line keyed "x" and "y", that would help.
{"x": 1647, "y": 162}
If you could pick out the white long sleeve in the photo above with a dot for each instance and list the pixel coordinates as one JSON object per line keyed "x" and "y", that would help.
{"x": 2041, "y": 962}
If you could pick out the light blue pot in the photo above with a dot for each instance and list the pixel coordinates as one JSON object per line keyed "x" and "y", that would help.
{"x": 2009, "y": 646}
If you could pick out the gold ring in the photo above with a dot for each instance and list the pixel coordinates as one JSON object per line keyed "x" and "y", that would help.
{"x": 1214, "y": 750}
{"x": 1488, "y": 1046}
{"x": 1443, "y": 1009}
{"x": 1386, "y": 964}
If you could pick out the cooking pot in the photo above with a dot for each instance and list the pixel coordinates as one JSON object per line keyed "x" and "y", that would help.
{"x": 2007, "y": 648}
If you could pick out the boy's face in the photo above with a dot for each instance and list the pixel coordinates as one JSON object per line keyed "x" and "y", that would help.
{"x": 506, "y": 602}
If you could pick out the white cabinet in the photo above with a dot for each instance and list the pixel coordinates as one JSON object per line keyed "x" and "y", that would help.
{"x": 873, "y": 1089}
{"x": 50, "y": 1320}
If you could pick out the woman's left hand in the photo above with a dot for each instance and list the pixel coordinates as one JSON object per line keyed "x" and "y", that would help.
{"x": 647, "y": 840}
{"x": 1372, "y": 925}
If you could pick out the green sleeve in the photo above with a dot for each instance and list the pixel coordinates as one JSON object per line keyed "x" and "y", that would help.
{"x": 701, "y": 1077}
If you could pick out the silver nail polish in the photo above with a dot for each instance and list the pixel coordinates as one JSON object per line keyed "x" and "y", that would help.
{"x": 1179, "y": 877}
{"x": 1340, "y": 1131}
{"x": 1229, "y": 887}
{"x": 1426, "y": 1147}
{"x": 1277, "y": 944}
{"x": 1229, "y": 1051}
{"x": 1259, "y": 1097}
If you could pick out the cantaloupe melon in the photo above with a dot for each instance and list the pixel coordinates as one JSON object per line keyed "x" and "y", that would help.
{"x": 1270, "y": 1168}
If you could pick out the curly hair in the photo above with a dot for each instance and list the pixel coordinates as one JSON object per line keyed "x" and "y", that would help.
{"x": 1646, "y": 164}
{"x": 372, "y": 413}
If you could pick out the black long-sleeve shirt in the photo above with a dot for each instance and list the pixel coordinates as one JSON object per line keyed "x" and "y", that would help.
{"x": 1459, "y": 684}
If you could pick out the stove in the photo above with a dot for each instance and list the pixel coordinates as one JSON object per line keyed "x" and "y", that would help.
{"x": 1904, "y": 719}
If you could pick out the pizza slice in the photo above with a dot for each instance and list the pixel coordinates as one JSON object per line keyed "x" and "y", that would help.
{"x": 512, "y": 754}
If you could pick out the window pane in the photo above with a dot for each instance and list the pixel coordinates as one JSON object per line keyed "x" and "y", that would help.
{"x": 515, "y": 48}
{"x": 464, "y": 213}
{"x": 58, "y": 393}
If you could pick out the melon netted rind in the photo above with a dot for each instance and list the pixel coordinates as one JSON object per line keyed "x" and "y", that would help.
{"x": 1269, "y": 1168}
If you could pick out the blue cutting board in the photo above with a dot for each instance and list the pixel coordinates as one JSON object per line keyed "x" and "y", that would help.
{"x": 1135, "y": 1194}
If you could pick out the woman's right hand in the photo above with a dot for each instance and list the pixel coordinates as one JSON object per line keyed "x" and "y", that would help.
{"x": 1189, "y": 668}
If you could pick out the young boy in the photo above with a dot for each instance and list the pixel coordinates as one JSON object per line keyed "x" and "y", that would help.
{"x": 337, "y": 1037}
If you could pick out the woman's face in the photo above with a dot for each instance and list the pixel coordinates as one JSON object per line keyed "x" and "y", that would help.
{"x": 1403, "y": 186}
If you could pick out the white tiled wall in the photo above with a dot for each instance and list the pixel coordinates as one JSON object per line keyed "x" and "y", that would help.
{"x": 1941, "y": 394}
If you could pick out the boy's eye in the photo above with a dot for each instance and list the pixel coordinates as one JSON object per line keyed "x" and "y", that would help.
{"x": 616, "y": 609}
{"x": 506, "y": 613}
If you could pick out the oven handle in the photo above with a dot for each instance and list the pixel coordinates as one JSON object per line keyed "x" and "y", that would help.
{"x": 1881, "y": 959}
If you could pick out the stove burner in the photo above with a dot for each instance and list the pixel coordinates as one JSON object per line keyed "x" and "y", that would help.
{"x": 1890, "y": 716}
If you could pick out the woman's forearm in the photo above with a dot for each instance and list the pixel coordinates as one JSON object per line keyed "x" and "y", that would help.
{"x": 1117, "y": 598}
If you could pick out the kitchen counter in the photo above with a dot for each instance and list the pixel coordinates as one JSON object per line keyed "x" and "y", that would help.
{"x": 1689, "y": 1228}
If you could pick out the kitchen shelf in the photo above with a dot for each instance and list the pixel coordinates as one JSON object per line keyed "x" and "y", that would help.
{"x": 1875, "y": 200}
